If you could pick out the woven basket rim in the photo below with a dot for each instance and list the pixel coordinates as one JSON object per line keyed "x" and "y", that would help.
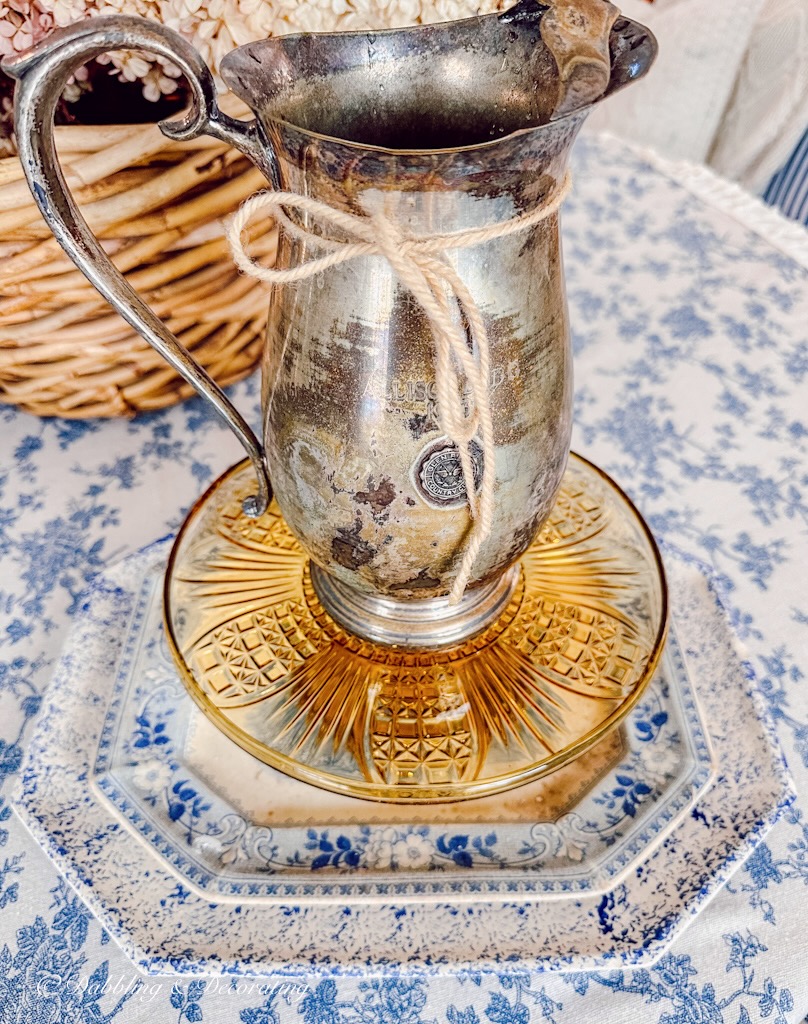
{"x": 159, "y": 205}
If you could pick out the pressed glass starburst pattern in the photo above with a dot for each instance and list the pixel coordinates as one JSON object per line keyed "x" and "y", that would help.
{"x": 561, "y": 666}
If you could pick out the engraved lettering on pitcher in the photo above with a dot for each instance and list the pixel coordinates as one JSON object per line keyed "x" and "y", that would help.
{"x": 421, "y": 392}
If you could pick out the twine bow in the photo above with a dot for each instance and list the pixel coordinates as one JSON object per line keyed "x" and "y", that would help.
{"x": 420, "y": 265}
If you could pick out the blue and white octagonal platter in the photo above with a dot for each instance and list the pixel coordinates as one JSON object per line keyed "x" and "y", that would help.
{"x": 200, "y": 859}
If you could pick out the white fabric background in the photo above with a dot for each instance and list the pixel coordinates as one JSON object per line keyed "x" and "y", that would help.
{"x": 729, "y": 88}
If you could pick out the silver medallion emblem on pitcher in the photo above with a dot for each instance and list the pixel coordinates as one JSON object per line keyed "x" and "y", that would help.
{"x": 438, "y": 474}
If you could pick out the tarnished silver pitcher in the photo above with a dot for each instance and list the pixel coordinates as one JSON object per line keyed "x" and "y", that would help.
{"x": 442, "y": 128}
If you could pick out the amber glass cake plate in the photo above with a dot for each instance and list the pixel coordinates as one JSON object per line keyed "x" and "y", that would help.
{"x": 563, "y": 664}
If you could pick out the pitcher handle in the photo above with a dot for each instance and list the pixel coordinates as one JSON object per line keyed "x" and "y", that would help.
{"x": 42, "y": 74}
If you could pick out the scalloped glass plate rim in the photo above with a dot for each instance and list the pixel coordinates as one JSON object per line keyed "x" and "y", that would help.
{"x": 375, "y": 791}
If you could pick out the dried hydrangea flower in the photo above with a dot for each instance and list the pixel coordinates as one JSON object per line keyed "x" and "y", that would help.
{"x": 217, "y": 26}
{"x": 22, "y": 23}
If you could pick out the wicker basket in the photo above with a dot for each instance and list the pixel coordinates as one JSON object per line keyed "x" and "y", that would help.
{"x": 157, "y": 207}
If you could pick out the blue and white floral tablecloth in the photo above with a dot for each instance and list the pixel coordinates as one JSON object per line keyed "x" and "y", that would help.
{"x": 690, "y": 311}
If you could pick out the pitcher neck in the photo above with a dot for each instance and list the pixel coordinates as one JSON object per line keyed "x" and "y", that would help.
{"x": 513, "y": 174}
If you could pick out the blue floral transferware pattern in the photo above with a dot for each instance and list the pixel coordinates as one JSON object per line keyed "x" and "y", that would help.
{"x": 371, "y": 896}
{"x": 691, "y": 365}
{"x": 630, "y": 796}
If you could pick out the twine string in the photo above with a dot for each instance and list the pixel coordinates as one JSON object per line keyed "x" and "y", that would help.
{"x": 421, "y": 265}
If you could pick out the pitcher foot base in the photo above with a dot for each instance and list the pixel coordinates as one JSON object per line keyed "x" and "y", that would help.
{"x": 581, "y": 628}
{"x": 427, "y": 624}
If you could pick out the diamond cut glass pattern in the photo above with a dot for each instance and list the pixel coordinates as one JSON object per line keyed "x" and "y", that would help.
{"x": 565, "y": 661}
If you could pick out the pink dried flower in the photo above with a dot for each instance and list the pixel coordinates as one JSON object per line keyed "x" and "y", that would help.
{"x": 22, "y": 23}
{"x": 217, "y": 26}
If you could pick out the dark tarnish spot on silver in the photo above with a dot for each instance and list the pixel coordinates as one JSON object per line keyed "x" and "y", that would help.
{"x": 419, "y": 582}
{"x": 523, "y": 537}
{"x": 377, "y": 497}
{"x": 349, "y": 549}
{"x": 41, "y": 194}
{"x": 418, "y": 424}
